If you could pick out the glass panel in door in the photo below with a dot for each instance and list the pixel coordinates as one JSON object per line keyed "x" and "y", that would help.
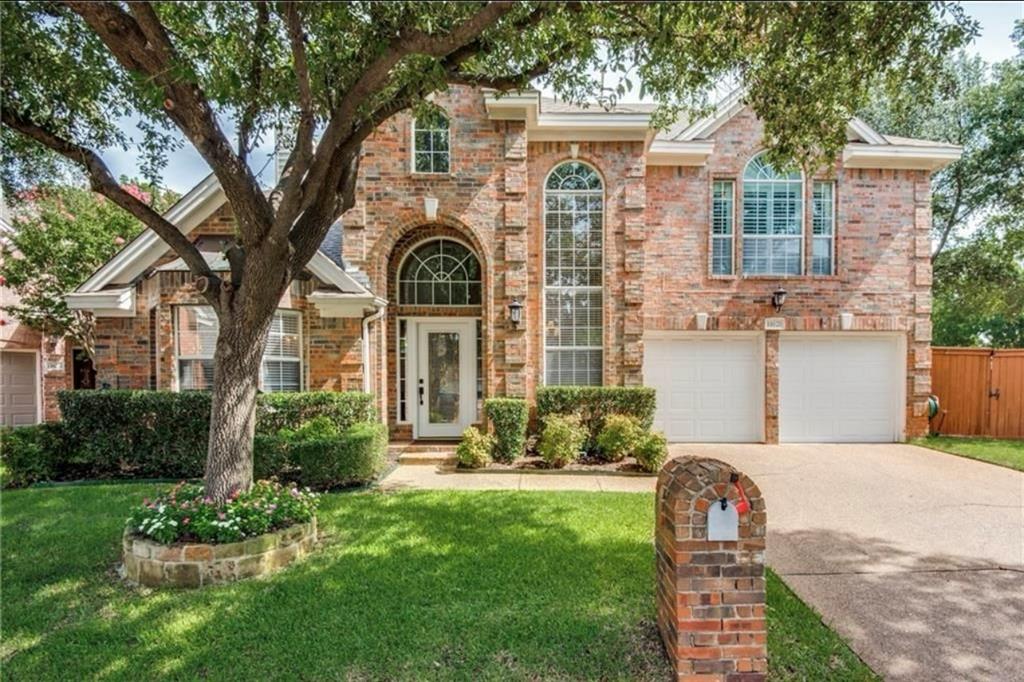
{"x": 443, "y": 378}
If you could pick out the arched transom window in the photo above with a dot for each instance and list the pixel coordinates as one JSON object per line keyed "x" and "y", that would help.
{"x": 772, "y": 220}
{"x": 440, "y": 272}
{"x": 573, "y": 263}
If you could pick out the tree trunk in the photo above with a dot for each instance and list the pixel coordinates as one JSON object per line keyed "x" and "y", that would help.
{"x": 236, "y": 378}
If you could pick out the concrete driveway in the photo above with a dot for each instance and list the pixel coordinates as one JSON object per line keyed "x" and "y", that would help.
{"x": 915, "y": 557}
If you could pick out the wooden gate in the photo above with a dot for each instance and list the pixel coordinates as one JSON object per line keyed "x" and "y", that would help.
{"x": 980, "y": 390}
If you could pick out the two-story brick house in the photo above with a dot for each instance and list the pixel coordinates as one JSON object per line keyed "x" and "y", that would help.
{"x": 517, "y": 242}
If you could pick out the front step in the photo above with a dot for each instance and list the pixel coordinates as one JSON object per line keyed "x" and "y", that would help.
{"x": 426, "y": 453}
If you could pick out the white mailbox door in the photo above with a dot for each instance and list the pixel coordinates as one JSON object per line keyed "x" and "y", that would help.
{"x": 723, "y": 524}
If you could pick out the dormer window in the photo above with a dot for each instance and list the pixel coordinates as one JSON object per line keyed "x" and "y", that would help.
{"x": 431, "y": 136}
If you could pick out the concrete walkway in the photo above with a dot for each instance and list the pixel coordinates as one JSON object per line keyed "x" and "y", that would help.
{"x": 915, "y": 557}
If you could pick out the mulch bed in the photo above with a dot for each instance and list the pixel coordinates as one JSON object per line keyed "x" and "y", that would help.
{"x": 535, "y": 463}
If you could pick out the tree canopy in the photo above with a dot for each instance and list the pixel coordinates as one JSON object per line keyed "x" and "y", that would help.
{"x": 329, "y": 73}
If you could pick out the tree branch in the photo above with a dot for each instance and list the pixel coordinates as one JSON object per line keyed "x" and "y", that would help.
{"x": 103, "y": 182}
{"x": 951, "y": 221}
{"x": 140, "y": 44}
{"x": 248, "y": 116}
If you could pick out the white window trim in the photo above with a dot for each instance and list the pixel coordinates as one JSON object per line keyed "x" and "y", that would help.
{"x": 543, "y": 271}
{"x": 178, "y": 356}
{"x": 802, "y": 236}
{"x": 834, "y": 265}
{"x": 412, "y": 149}
{"x": 731, "y": 237}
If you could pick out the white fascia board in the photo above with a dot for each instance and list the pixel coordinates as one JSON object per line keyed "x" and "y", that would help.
{"x": 131, "y": 261}
{"x": 340, "y": 304}
{"x": 327, "y": 271}
{"x": 862, "y": 130}
{"x": 673, "y": 153}
{"x": 541, "y": 127}
{"x": 731, "y": 105}
{"x": 899, "y": 156}
{"x": 106, "y": 303}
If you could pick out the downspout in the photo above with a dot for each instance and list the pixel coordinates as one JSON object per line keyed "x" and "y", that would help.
{"x": 373, "y": 317}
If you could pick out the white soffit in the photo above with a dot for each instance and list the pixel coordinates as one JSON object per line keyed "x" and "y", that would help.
{"x": 906, "y": 157}
{"x": 107, "y": 303}
{"x": 341, "y": 304}
{"x": 571, "y": 127}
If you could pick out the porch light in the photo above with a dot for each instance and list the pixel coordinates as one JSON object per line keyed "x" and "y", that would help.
{"x": 778, "y": 298}
{"x": 515, "y": 312}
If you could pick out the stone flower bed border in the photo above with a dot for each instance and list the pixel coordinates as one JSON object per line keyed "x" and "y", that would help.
{"x": 194, "y": 565}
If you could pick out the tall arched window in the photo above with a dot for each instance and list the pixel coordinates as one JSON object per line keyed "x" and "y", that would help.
{"x": 440, "y": 272}
{"x": 573, "y": 281}
{"x": 773, "y": 225}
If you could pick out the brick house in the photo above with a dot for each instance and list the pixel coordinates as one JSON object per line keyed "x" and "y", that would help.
{"x": 630, "y": 256}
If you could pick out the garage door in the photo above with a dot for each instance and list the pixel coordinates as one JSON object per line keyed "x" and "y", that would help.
{"x": 709, "y": 388}
{"x": 839, "y": 388}
{"x": 18, "y": 387}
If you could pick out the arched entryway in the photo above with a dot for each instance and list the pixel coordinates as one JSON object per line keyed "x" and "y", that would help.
{"x": 436, "y": 285}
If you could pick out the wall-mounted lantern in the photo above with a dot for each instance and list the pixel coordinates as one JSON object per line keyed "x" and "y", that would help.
{"x": 778, "y": 299}
{"x": 515, "y": 312}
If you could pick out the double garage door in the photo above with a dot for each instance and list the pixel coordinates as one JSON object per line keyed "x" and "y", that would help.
{"x": 832, "y": 387}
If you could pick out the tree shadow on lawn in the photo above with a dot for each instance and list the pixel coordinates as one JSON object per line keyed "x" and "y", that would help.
{"x": 911, "y": 615}
{"x": 407, "y": 586}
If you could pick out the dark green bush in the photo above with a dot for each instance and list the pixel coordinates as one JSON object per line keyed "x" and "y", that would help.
{"x": 270, "y": 458}
{"x": 650, "y": 452}
{"x": 328, "y": 456}
{"x": 561, "y": 439}
{"x": 277, "y": 411}
{"x": 593, "y": 403}
{"x": 619, "y": 437}
{"x": 31, "y": 453}
{"x": 474, "y": 450}
{"x": 162, "y": 434}
{"x": 509, "y": 417}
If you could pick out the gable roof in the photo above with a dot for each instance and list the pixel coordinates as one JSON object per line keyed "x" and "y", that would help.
{"x": 110, "y": 291}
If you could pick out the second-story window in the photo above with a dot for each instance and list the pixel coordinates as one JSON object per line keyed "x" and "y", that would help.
{"x": 431, "y": 144}
{"x": 823, "y": 228}
{"x": 773, "y": 225}
{"x": 721, "y": 227}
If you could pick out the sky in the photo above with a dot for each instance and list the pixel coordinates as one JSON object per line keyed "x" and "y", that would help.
{"x": 185, "y": 168}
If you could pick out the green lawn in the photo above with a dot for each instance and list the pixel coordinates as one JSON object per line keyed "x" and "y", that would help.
{"x": 1008, "y": 453}
{"x": 417, "y": 585}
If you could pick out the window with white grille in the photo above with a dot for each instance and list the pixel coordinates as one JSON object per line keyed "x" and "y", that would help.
{"x": 440, "y": 272}
{"x": 431, "y": 135}
{"x": 772, "y": 220}
{"x": 721, "y": 227}
{"x": 196, "y": 337}
{"x": 573, "y": 279}
{"x": 823, "y": 228}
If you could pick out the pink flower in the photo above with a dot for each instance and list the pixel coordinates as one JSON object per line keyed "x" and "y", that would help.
{"x": 221, "y": 516}
{"x": 138, "y": 193}
{"x": 184, "y": 521}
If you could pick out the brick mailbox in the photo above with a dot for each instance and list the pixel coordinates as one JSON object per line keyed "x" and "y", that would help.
{"x": 710, "y": 572}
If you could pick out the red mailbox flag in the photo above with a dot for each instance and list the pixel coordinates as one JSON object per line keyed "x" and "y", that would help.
{"x": 743, "y": 506}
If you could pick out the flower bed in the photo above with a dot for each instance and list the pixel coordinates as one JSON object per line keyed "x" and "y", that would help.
{"x": 183, "y": 538}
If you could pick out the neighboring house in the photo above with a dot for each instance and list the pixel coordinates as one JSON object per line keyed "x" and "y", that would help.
{"x": 637, "y": 257}
{"x": 32, "y": 366}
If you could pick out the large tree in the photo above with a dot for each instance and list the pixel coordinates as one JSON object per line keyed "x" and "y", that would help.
{"x": 332, "y": 72}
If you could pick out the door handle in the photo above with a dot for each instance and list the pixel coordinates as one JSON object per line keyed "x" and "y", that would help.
{"x": 994, "y": 393}
{"x": 421, "y": 391}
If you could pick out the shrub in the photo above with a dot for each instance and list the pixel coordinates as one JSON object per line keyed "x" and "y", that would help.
{"x": 594, "y": 403}
{"x": 184, "y": 514}
{"x": 651, "y": 450}
{"x": 474, "y": 451}
{"x": 162, "y": 434}
{"x": 619, "y": 437}
{"x": 509, "y": 416}
{"x": 270, "y": 458}
{"x": 561, "y": 439}
{"x": 31, "y": 453}
{"x": 329, "y": 457}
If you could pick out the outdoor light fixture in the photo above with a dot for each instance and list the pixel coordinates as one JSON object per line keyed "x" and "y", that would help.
{"x": 778, "y": 298}
{"x": 515, "y": 312}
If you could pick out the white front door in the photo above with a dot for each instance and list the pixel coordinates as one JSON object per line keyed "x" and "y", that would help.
{"x": 445, "y": 378}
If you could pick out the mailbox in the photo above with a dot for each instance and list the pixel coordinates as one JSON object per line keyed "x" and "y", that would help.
{"x": 723, "y": 521}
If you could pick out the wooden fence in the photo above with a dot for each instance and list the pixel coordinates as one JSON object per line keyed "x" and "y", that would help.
{"x": 980, "y": 390}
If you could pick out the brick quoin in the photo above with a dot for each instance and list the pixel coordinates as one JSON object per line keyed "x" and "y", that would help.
{"x": 656, "y": 265}
{"x": 710, "y": 595}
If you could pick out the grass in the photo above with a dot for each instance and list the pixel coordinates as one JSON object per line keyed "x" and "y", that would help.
{"x": 415, "y": 585}
{"x": 1007, "y": 453}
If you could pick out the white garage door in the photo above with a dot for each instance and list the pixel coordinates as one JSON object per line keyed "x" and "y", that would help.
{"x": 709, "y": 388}
{"x": 18, "y": 385}
{"x": 839, "y": 388}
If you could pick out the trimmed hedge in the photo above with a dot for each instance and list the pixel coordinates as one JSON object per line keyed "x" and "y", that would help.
{"x": 561, "y": 439}
{"x": 509, "y": 416}
{"x": 593, "y": 403}
{"x": 474, "y": 450}
{"x": 329, "y": 457}
{"x": 160, "y": 434}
